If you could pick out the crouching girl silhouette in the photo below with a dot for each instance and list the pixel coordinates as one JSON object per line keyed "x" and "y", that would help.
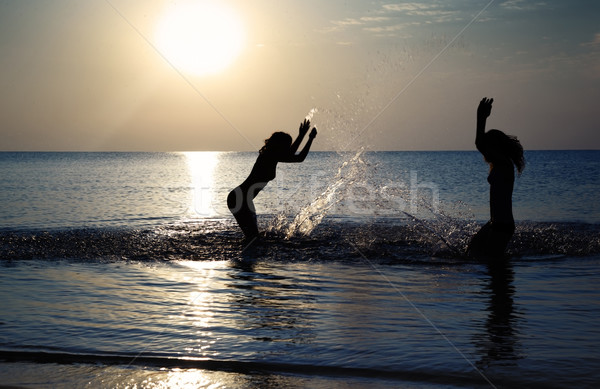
{"x": 503, "y": 153}
{"x": 278, "y": 148}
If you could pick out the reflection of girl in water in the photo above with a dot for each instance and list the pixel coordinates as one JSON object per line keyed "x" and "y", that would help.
{"x": 503, "y": 153}
{"x": 278, "y": 148}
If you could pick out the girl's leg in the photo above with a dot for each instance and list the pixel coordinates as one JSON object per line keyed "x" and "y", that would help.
{"x": 491, "y": 240}
{"x": 479, "y": 243}
{"x": 501, "y": 235}
{"x": 242, "y": 209}
{"x": 248, "y": 224}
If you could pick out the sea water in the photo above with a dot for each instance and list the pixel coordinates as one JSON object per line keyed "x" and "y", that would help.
{"x": 127, "y": 270}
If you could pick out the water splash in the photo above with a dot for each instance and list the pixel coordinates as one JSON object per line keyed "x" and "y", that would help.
{"x": 433, "y": 224}
{"x": 311, "y": 113}
{"x": 392, "y": 240}
{"x": 311, "y": 215}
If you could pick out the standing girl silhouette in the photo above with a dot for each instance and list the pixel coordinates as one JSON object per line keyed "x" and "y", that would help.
{"x": 503, "y": 153}
{"x": 278, "y": 148}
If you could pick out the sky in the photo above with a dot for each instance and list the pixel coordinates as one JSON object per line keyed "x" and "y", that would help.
{"x": 101, "y": 75}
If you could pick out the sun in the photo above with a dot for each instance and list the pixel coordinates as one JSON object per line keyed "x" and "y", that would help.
{"x": 200, "y": 37}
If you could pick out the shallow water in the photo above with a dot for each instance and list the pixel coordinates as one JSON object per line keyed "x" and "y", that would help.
{"x": 153, "y": 287}
{"x": 532, "y": 322}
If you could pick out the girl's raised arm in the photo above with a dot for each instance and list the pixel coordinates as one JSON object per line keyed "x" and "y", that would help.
{"x": 483, "y": 112}
{"x": 292, "y": 157}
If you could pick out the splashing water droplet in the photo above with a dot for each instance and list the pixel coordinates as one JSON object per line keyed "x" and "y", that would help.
{"x": 311, "y": 113}
{"x": 311, "y": 215}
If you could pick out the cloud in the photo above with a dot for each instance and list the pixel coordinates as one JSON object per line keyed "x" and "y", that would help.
{"x": 374, "y": 18}
{"x": 360, "y": 21}
{"x": 594, "y": 43}
{"x": 342, "y": 25}
{"x": 592, "y": 57}
{"x": 407, "y": 7}
{"x": 521, "y": 5}
{"x": 348, "y": 22}
{"x": 431, "y": 11}
{"x": 389, "y": 28}
{"x": 391, "y": 18}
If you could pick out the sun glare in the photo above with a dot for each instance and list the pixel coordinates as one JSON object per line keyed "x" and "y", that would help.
{"x": 201, "y": 166}
{"x": 200, "y": 37}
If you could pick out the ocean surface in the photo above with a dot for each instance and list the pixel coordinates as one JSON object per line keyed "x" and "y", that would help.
{"x": 126, "y": 270}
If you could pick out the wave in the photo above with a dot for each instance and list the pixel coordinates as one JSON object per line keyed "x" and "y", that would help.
{"x": 388, "y": 240}
{"x": 431, "y": 376}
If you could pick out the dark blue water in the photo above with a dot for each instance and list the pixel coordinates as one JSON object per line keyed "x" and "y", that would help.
{"x": 66, "y": 190}
{"x": 123, "y": 269}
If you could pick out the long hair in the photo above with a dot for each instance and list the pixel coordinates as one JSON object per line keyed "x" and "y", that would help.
{"x": 277, "y": 142}
{"x": 506, "y": 145}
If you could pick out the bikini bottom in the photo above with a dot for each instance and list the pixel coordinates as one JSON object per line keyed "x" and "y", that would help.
{"x": 242, "y": 208}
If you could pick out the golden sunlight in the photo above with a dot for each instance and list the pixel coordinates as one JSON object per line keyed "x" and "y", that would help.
{"x": 201, "y": 166}
{"x": 200, "y": 37}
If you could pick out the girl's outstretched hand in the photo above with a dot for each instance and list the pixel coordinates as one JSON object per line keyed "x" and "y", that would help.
{"x": 304, "y": 126}
{"x": 313, "y": 133}
{"x": 485, "y": 108}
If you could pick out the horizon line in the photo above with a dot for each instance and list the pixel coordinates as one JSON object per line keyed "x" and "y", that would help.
{"x": 252, "y": 151}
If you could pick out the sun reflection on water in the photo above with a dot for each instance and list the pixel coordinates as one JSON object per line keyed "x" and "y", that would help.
{"x": 201, "y": 167}
{"x": 190, "y": 378}
{"x": 201, "y": 304}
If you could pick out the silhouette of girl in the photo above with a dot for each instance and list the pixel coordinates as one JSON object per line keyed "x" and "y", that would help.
{"x": 503, "y": 153}
{"x": 278, "y": 148}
